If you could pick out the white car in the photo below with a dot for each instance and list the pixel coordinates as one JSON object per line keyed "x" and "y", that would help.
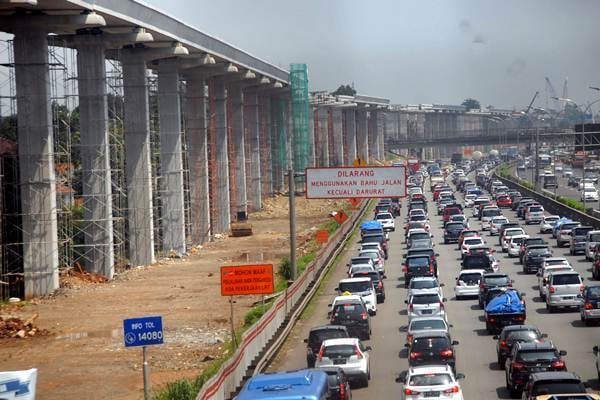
{"x": 542, "y": 276}
{"x": 362, "y": 287}
{"x": 507, "y": 234}
{"x": 358, "y": 268}
{"x": 586, "y": 182}
{"x": 378, "y": 261}
{"x": 548, "y": 222}
{"x": 496, "y": 223}
{"x": 350, "y": 355}
{"x": 372, "y": 246}
{"x": 469, "y": 198}
{"x": 387, "y": 220}
{"x": 534, "y": 213}
{"x": 425, "y": 284}
{"x": 467, "y": 283}
{"x": 343, "y": 299}
{"x": 567, "y": 172}
{"x": 514, "y": 246}
{"x": 470, "y": 242}
{"x": 589, "y": 193}
{"x": 487, "y": 213}
{"x": 431, "y": 382}
{"x": 426, "y": 305}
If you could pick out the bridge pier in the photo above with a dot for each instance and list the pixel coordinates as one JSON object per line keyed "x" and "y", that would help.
{"x": 265, "y": 135}
{"x": 36, "y": 161}
{"x": 137, "y": 159}
{"x": 372, "y": 137}
{"x": 196, "y": 102}
{"x": 171, "y": 164}
{"x": 221, "y": 197}
{"x": 253, "y": 173}
{"x": 322, "y": 137}
{"x": 240, "y": 199}
{"x": 337, "y": 156}
{"x": 380, "y": 123}
{"x": 362, "y": 135}
{"x": 98, "y": 251}
{"x": 350, "y": 136}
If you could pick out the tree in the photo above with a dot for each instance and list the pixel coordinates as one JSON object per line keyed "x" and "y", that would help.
{"x": 471, "y": 104}
{"x": 345, "y": 90}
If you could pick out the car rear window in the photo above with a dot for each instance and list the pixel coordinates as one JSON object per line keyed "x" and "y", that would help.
{"x": 477, "y": 262}
{"x": 419, "y": 235}
{"x": 423, "y": 284}
{"x": 557, "y": 387}
{"x": 581, "y": 231}
{"x": 430, "y": 343}
{"x": 535, "y": 209}
{"x": 534, "y": 241}
{"x": 595, "y": 237}
{"x": 496, "y": 280}
{"x": 418, "y": 261}
{"x": 536, "y": 355}
{"x": 491, "y": 213}
{"x": 568, "y": 226}
{"x": 425, "y": 299}
{"x": 538, "y": 251}
{"x": 348, "y": 310}
{"x": 339, "y": 350}
{"x": 320, "y": 335}
{"x": 384, "y": 216}
{"x": 430, "y": 380}
{"x": 425, "y": 324}
{"x": 522, "y": 336}
{"x": 568, "y": 279}
{"x": 354, "y": 287}
{"x": 470, "y": 278}
{"x": 511, "y": 232}
{"x": 373, "y": 238}
{"x": 454, "y": 226}
{"x": 593, "y": 293}
{"x": 472, "y": 242}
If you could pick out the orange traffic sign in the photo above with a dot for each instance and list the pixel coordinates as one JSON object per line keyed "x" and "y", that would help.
{"x": 340, "y": 217}
{"x": 322, "y": 236}
{"x": 239, "y": 280}
{"x": 354, "y": 201}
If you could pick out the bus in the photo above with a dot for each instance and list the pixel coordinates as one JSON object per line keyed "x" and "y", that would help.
{"x": 544, "y": 161}
{"x": 578, "y": 159}
{"x": 305, "y": 384}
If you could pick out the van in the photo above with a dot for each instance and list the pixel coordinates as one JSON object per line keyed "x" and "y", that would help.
{"x": 306, "y": 384}
{"x": 564, "y": 288}
{"x": 591, "y": 240}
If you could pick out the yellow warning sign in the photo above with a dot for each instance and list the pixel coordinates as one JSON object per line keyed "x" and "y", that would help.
{"x": 359, "y": 162}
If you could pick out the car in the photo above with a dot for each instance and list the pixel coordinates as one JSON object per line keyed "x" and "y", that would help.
{"x": 387, "y": 220}
{"x": 432, "y": 348}
{"x": 339, "y": 385}
{"x": 577, "y": 242}
{"x": 543, "y": 273}
{"x": 452, "y": 231}
{"x": 534, "y": 257}
{"x": 316, "y": 336}
{"x": 596, "y": 353}
{"x": 534, "y": 213}
{"x": 354, "y": 316}
{"x": 376, "y": 258}
{"x": 512, "y": 334}
{"x": 564, "y": 288}
{"x": 470, "y": 242}
{"x": 478, "y": 261}
{"x": 378, "y": 238}
{"x": 431, "y": 381}
{"x": 514, "y": 245}
{"x": 487, "y": 214}
{"x": 506, "y": 234}
{"x": 491, "y": 280}
{"x": 425, "y": 251}
{"x": 299, "y": 384}
{"x": 467, "y": 283}
{"x": 450, "y": 210}
{"x": 586, "y": 183}
{"x": 362, "y": 287}
{"x": 425, "y": 305}
{"x": 372, "y": 246}
{"x": 504, "y": 201}
{"x": 356, "y": 268}
{"x": 523, "y": 206}
{"x": 528, "y": 357}
{"x": 425, "y": 324}
{"x": 377, "y": 280}
{"x": 556, "y": 385}
{"x": 465, "y": 234}
{"x": 591, "y": 241}
{"x": 518, "y": 204}
{"x": 548, "y": 222}
{"x": 496, "y": 223}
{"x": 589, "y": 309}
{"x": 589, "y": 194}
{"x": 529, "y": 242}
{"x": 469, "y": 199}
{"x": 415, "y": 234}
{"x": 350, "y": 355}
{"x": 417, "y": 265}
{"x": 460, "y": 218}
{"x": 596, "y": 264}
{"x": 563, "y": 234}
{"x": 504, "y": 227}
{"x": 425, "y": 284}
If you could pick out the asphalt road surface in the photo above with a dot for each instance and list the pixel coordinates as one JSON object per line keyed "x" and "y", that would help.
{"x": 476, "y": 354}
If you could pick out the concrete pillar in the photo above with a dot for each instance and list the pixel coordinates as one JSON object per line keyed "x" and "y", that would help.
{"x": 381, "y": 126}
{"x": 362, "y": 135}
{"x": 372, "y": 138}
{"x": 221, "y": 174}
{"x": 337, "y": 158}
{"x": 277, "y": 144}
{"x": 240, "y": 200}
{"x": 36, "y": 162}
{"x": 350, "y": 132}
{"x": 311, "y": 137}
{"x": 322, "y": 140}
{"x": 252, "y": 137}
{"x": 196, "y": 105}
{"x": 266, "y": 169}
{"x": 137, "y": 159}
{"x": 171, "y": 164}
{"x": 95, "y": 156}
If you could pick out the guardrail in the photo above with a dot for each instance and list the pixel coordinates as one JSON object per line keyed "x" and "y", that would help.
{"x": 258, "y": 340}
{"x": 551, "y": 205}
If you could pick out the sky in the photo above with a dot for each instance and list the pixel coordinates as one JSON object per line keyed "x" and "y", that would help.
{"x": 419, "y": 51}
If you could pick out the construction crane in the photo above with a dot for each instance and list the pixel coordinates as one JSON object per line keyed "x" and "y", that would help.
{"x": 551, "y": 94}
{"x": 531, "y": 103}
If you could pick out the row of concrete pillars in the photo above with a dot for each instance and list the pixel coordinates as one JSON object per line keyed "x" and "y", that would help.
{"x": 229, "y": 125}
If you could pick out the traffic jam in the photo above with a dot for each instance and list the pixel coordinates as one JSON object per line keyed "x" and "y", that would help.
{"x": 488, "y": 228}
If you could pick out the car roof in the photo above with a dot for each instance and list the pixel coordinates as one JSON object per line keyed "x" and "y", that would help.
{"x": 339, "y": 341}
{"x": 545, "y": 345}
{"x": 570, "y": 272}
{"x": 351, "y": 280}
{"x": 495, "y": 274}
{"x": 426, "y": 334}
{"x": 421, "y": 318}
{"x": 555, "y": 259}
{"x": 430, "y": 369}
{"x": 470, "y": 271}
{"x": 552, "y": 375}
{"x": 424, "y": 278}
{"x": 328, "y": 328}
{"x": 537, "y": 246}
{"x": 347, "y": 297}
{"x": 524, "y": 327}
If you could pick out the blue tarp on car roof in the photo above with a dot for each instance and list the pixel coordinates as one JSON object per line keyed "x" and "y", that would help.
{"x": 371, "y": 225}
{"x": 506, "y": 303}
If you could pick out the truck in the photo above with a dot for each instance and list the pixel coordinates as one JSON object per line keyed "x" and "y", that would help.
{"x": 506, "y": 308}
{"x": 550, "y": 181}
{"x": 412, "y": 164}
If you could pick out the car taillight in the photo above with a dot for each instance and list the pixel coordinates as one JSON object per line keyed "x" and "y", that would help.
{"x": 482, "y": 286}
{"x": 404, "y": 269}
{"x": 357, "y": 353}
{"x": 415, "y": 354}
{"x": 517, "y": 366}
{"x": 379, "y": 285}
{"x": 364, "y": 315}
{"x": 441, "y": 305}
{"x": 464, "y": 247}
{"x": 410, "y": 307}
{"x": 581, "y": 287}
{"x": 410, "y": 391}
{"x": 431, "y": 269}
{"x": 520, "y": 317}
{"x": 453, "y": 389}
{"x": 509, "y": 284}
{"x": 342, "y": 391}
{"x": 446, "y": 353}
{"x": 588, "y": 306}
{"x": 551, "y": 289}
{"x": 558, "y": 364}
{"x": 320, "y": 355}
{"x": 409, "y": 338}
{"x": 504, "y": 344}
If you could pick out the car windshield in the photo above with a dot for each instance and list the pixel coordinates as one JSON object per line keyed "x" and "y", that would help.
{"x": 595, "y": 237}
{"x": 535, "y": 209}
{"x": 384, "y": 216}
{"x": 557, "y": 387}
{"x": 476, "y": 262}
{"x": 534, "y": 241}
{"x": 418, "y": 262}
{"x": 581, "y": 231}
{"x": 470, "y": 278}
{"x": 593, "y": 293}
{"x": 510, "y": 232}
{"x": 568, "y": 279}
{"x": 518, "y": 240}
{"x": 339, "y": 351}
{"x": 425, "y": 299}
{"x": 491, "y": 213}
{"x": 423, "y": 284}
{"x": 430, "y": 343}
{"x": 425, "y": 324}
{"x": 430, "y": 380}
{"x": 355, "y": 287}
{"x": 536, "y": 355}
{"x": 348, "y": 310}
{"x": 496, "y": 280}
{"x": 454, "y": 226}
{"x": 568, "y": 226}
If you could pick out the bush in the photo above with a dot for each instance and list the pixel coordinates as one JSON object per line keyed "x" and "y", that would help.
{"x": 285, "y": 268}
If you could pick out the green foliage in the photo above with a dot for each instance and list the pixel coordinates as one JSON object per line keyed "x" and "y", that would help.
{"x": 255, "y": 314}
{"x": 345, "y": 90}
{"x": 471, "y": 104}
{"x": 285, "y": 268}
{"x": 8, "y": 127}
{"x": 305, "y": 260}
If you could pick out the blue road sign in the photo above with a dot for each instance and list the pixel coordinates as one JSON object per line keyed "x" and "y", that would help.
{"x": 143, "y": 331}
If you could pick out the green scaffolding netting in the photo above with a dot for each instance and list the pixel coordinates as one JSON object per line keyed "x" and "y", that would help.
{"x": 300, "y": 115}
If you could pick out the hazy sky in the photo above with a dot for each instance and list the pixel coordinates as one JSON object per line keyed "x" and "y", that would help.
{"x": 419, "y": 51}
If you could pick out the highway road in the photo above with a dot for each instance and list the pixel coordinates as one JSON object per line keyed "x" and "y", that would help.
{"x": 476, "y": 354}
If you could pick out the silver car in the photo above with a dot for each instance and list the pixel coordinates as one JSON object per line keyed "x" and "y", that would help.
{"x": 564, "y": 288}
{"x": 467, "y": 283}
{"x": 350, "y": 355}
{"x": 428, "y": 324}
{"x": 425, "y": 305}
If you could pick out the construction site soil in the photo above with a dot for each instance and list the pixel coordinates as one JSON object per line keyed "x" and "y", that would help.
{"x": 75, "y": 337}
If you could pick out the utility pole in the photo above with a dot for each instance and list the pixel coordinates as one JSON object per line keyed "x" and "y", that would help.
{"x": 537, "y": 164}
{"x": 292, "y": 191}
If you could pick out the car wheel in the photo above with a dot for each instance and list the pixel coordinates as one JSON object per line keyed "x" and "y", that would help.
{"x": 500, "y": 361}
{"x": 366, "y": 381}
{"x": 587, "y": 322}
{"x": 515, "y": 393}
{"x": 549, "y": 308}
{"x": 488, "y": 327}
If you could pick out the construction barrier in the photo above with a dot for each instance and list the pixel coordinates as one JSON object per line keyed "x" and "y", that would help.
{"x": 257, "y": 339}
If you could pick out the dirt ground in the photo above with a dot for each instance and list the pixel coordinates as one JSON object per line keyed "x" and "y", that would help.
{"x": 82, "y": 355}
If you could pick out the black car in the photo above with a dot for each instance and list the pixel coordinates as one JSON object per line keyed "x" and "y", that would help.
{"x": 432, "y": 348}
{"x": 377, "y": 283}
{"x": 426, "y": 251}
{"x": 573, "y": 181}
{"x": 452, "y": 231}
{"x": 418, "y": 265}
{"x": 559, "y": 382}
{"x": 527, "y": 358}
{"x": 527, "y": 242}
{"x": 477, "y": 261}
{"x": 516, "y": 205}
{"x": 377, "y": 238}
{"x": 317, "y": 335}
{"x": 590, "y": 304}
{"x": 515, "y": 334}
{"x": 339, "y": 386}
{"x": 355, "y": 317}
{"x": 491, "y": 280}
{"x": 522, "y": 206}
{"x": 534, "y": 257}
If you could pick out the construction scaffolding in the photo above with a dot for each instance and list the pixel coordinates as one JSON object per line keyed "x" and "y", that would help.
{"x": 300, "y": 116}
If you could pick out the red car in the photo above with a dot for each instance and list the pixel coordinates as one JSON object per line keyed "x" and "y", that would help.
{"x": 504, "y": 201}
{"x": 448, "y": 211}
{"x": 465, "y": 234}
